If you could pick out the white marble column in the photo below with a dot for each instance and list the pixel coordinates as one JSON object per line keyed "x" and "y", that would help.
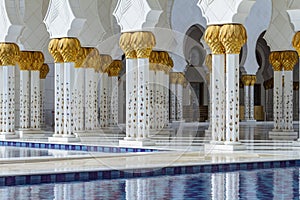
{"x": 103, "y": 100}
{"x": 232, "y": 44}
{"x": 277, "y": 101}
{"x": 78, "y": 99}
{"x": 8, "y": 109}
{"x": 246, "y": 101}
{"x": 173, "y": 80}
{"x": 166, "y": 85}
{"x": 89, "y": 72}
{"x": 179, "y": 95}
{"x": 114, "y": 101}
{"x": 288, "y": 100}
{"x": 142, "y": 98}
{"x": 131, "y": 97}
{"x": 58, "y": 99}
{"x": 24, "y": 99}
{"x": 160, "y": 104}
{"x": 35, "y": 99}
{"x": 44, "y": 70}
{"x": 153, "y": 96}
{"x": 251, "y": 102}
{"x": 96, "y": 78}
{"x": 218, "y": 98}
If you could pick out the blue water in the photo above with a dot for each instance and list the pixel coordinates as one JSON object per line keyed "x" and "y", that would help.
{"x": 256, "y": 184}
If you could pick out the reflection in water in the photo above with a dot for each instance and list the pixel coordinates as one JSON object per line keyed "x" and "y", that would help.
{"x": 256, "y": 184}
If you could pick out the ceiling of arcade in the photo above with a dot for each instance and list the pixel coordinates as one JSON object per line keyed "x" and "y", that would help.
{"x": 178, "y": 27}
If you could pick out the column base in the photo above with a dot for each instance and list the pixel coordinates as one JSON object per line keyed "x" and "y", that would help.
{"x": 250, "y": 121}
{"x": 283, "y": 135}
{"x": 30, "y": 133}
{"x": 136, "y": 143}
{"x": 226, "y": 146}
{"x": 63, "y": 139}
{"x": 5, "y": 136}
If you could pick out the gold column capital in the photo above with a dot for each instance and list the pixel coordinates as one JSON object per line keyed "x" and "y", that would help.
{"x": 115, "y": 68}
{"x": 173, "y": 78}
{"x": 246, "y": 79}
{"x": 208, "y": 62}
{"x": 127, "y": 46}
{"x": 211, "y": 37}
{"x": 106, "y": 60}
{"x": 37, "y": 60}
{"x": 69, "y": 48}
{"x": 275, "y": 60}
{"x": 44, "y": 70}
{"x": 25, "y": 60}
{"x": 253, "y": 80}
{"x": 296, "y": 42}
{"x": 289, "y": 59}
{"x": 9, "y": 53}
{"x": 180, "y": 78}
{"x": 94, "y": 61}
{"x": 54, "y": 51}
{"x": 153, "y": 61}
{"x": 233, "y": 37}
{"x": 81, "y": 57}
{"x": 143, "y": 43}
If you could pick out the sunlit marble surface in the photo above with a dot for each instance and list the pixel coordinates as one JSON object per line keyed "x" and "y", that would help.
{"x": 186, "y": 149}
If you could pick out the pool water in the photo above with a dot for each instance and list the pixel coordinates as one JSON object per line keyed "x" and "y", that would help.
{"x": 281, "y": 183}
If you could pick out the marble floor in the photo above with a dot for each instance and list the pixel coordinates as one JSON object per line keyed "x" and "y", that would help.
{"x": 183, "y": 147}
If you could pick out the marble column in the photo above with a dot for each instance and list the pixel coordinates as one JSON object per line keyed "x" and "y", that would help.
{"x": 143, "y": 42}
{"x": 275, "y": 60}
{"x": 208, "y": 63}
{"x": 69, "y": 48}
{"x": 38, "y": 60}
{"x": 138, "y": 44}
{"x": 78, "y": 90}
{"x": 24, "y": 62}
{"x": 44, "y": 70}
{"x": 131, "y": 85}
{"x": 289, "y": 60}
{"x": 113, "y": 74}
{"x": 251, "y": 98}
{"x": 246, "y": 81}
{"x": 173, "y": 81}
{"x": 166, "y": 84}
{"x": 8, "y": 58}
{"x": 154, "y": 97}
{"x": 179, "y": 95}
{"x": 232, "y": 44}
{"x": 106, "y": 60}
{"x": 58, "y": 87}
{"x": 217, "y": 84}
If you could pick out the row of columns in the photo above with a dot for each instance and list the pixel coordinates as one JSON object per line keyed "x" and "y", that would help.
{"x": 77, "y": 73}
{"x": 177, "y": 81}
{"x": 225, "y": 42}
{"x": 283, "y": 64}
{"x": 32, "y": 75}
{"x": 249, "y": 81}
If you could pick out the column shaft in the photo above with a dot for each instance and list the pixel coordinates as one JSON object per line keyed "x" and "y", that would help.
{"x": 42, "y": 102}
{"x": 103, "y": 100}
{"x": 179, "y": 104}
{"x": 114, "y": 101}
{"x": 78, "y": 99}
{"x": 153, "y": 98}
{"x": 68, "y": 99}
{"x": 251, "y": 103}
{"x": 288, "y": 101}
{"x": 142, "y": 98}
{"x": 8, "y": 109}
{"x": 173, "y": 102}
{"x": 218, "y": 98}
{"x": 35, "y": 99}
{"x": 246, "y": 101}
{"x": 131, "y": 98}
{"x": 59, "y": 99}
{"x": 24, "y": 99}
{"x": 277, "y": 101}
{"x": 89, "y": 99}
{"x": 232, "y": 98}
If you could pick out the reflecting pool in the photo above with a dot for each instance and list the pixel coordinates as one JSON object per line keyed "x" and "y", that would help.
{"x": 282, "y": 183}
